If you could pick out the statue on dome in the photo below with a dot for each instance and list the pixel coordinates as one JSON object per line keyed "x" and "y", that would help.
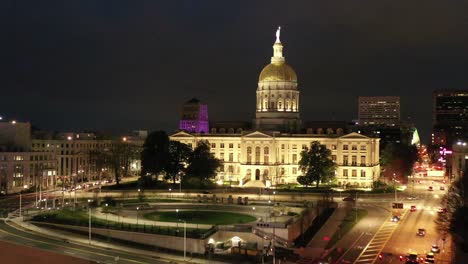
{"x": 278, "y": 34}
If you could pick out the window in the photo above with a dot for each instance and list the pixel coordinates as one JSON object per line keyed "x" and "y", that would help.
{"x": 353, "y": 147}
{"x": 231, "y": 157}
{"x": 231, "y": 145}
{"x": 221, "y": 145}
{"x": 354, "y": 173}
{"x": 249, "y": 154}
{"x": 231, "y": 169}
{"x": 294, "y": 171}
{"x": 363, "y": 147}
{"x": 353, "y": 161}
{"x": 345, "y": 160}
{"x": 266, "y": 151}
{"x": 282, "y": 158}
{"x": 304, "y": 146}
{"x": 213, "y": 145}
{"x": 294, "y": 146}
{"x": 238, "y": 145}
{"x": 363, "y": 160}
{"x": 333, "y": 158}
{"x": 257, "y": 155}
{"x": 221, "y": 156}
{"x": 221, "y": 168}
{"x": 363, "y": 173}
{"x": 345, "y": 173}
{"x": 294, "y": 158}
{"x": 345, "y": 147}
{"x": 282, "y": 146}
{"x": 333, "y": 147}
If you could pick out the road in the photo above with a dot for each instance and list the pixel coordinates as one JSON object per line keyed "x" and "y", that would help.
{"x": 15, "y": 236}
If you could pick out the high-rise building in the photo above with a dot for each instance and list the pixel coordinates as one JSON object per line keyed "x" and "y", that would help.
{"x": 379, "y": 110}
{"x": 449, "y": 116}
{"x": 194, "y": 117}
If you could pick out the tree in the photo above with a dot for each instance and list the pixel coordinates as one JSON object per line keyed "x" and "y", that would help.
{"x": 316, "y": 164}
{"x": 202, "y": 164}
{"x": 119, "y": 157}
{"x": 398, "y": 160}
{"x": 155, "y": 155}
{"x": 178, "y": 154}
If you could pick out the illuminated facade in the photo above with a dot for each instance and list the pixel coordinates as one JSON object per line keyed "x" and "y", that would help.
{"x": 269, "y": 154}
{"x": 194, "y": 117}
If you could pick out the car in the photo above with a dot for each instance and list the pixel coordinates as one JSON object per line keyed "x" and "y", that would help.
{"x": 395, "y": 218}
{"x": 430, "y": 188}
{"x": 435, "y": 249}
{"x": 413, "y": 208}
{"x": 412, "y": 258}
{"x": 442, "y": 210}
{"x": 421, "y": 232}
{"x": 442, "y": 188}
{"x": 349, "y": 199}
{"x": 429, "y": 258}
{"x": 412, "y": 197}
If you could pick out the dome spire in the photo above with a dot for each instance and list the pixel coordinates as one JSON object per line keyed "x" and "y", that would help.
{"x": 278, "y": 31}
{"x": 278, "y": 49}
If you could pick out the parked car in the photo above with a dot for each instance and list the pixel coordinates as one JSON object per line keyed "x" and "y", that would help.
{"x": 413, "y": 208}
{"x": 435, "y": 249}
{"x": 421, "y": 232}
{"x": 412, "y": 258}
{"x": 349, "y": 199}
{"x": 430, "y": 188}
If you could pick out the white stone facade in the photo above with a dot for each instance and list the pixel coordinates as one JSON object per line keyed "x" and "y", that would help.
{"x": 271, "y": 158}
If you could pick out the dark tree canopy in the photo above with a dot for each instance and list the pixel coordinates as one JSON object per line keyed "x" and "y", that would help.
{"x": 202, "y": 163}
{"x": 154, "y": 156}
{"x": 398, "y": 159}
{"x": 316, "y": 164}
{"x": 178, "y": 156}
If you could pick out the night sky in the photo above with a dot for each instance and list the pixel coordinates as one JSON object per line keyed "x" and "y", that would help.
{"x": 122, "y": 65}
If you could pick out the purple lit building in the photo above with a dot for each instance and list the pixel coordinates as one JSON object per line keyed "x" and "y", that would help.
{"x": 194, "y": 117}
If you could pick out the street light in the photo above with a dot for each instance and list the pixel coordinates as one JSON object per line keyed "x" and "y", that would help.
{"x": 107, "y": 223}
{"x": 138, "y": 208}
{"x": 89, "y": 213}
{"x": 185, "y": 236}
{"x": 21, "y": 201}
{"x": 253, "y": 211}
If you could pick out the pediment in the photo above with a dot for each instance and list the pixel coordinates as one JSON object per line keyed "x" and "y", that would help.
{"x": 354, "y": 135}
{"x": 257, "y": 134}
{"x": 181, "y": 134}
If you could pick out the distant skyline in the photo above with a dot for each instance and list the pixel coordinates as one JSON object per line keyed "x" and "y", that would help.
{"x": 117, "y": 66}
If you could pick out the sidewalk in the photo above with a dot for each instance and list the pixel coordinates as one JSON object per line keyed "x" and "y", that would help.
{"x": 316, "y": 247}
{"x": 76, "y": 239}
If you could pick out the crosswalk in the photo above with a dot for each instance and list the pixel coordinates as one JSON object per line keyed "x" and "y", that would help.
{"x": 374, "y": 247}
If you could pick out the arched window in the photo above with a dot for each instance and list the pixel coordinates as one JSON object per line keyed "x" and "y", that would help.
{"x": 280, "y": 105}
{"x": 231, "y": 130}
{"x": 266, "y": 151}
{"x": 213, "y": 130}
{"x": 249, "y": 155}
{"x": 319, "y": 130}
{"x": 329, "y": 131}
{"x": 339, "y": 131}
{"x": 222, "y": 130}
{"x": 239, "y": 131}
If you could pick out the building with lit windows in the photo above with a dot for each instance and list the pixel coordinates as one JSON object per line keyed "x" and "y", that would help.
{"x": 379, "y": 110}
{"x": 449, "y": 117}
{"x": 194, "y": 117}
{"x": 269, "y": 153}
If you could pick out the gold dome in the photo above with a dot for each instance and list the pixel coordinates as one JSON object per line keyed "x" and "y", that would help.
{"x": 278, "y": 72}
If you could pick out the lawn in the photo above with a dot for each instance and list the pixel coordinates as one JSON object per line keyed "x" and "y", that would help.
{"x": 201, "y": 217}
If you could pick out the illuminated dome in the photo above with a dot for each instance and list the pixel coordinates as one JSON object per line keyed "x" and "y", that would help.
{"x": 278, "y": 72}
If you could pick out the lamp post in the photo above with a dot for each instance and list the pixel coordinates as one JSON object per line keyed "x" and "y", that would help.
{"x": 274, "y": 220}
{"x": 185, "y": 237}
{"x": 170, "y": 192}
{"x": 253, "y": 211}
{"x": 21, "y": 201}
{"x": 107, "y": 223}
{"x": 138, "y": 208}
{"x": 89, "y": 225}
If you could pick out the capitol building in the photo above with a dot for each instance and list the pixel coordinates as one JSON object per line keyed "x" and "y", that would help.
{"x": 267, "y": 153}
